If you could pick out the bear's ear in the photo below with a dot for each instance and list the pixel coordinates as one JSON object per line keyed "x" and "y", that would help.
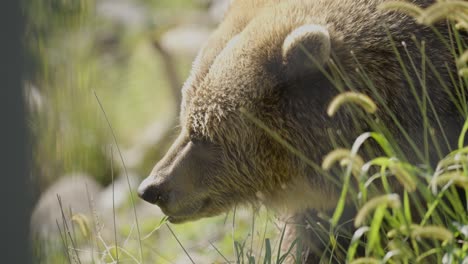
{"x": 305, "y": 48}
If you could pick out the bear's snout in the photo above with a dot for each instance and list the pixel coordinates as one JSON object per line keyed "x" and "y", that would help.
{"x": 180, "y": 183}
{"x": 152, "y": 192}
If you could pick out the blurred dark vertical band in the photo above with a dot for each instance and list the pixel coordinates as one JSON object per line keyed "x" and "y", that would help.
{"x": 14, "y": 149}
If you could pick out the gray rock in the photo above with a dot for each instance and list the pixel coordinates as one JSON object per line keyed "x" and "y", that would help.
{"x": 74, "y": 191}
{"x": 185, "y": 40}
{"x": 218, "y": 8}
{"x": 123, "y": 12}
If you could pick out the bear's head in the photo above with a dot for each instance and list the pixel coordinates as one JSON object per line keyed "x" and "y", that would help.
{"x": 243, "y": 118}
{"x": 254, "y": 108}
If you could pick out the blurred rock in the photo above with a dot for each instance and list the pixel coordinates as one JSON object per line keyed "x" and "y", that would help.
{"x": 74, "y": 191}
{"x": 123, "y": 12}
{"x": 185, "y": 40}
{"x": 218, "y": 8}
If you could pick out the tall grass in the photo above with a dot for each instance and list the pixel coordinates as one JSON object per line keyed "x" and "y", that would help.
{"x": 387, "y": 225}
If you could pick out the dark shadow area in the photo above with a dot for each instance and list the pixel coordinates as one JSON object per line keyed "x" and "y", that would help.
{"x": 15, "y": 191}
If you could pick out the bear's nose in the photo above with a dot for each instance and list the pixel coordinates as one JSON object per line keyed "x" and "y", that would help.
{"x": 151, "y": 192}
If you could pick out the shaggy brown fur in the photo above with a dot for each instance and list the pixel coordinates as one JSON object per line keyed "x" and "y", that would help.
{"x": 255, "y": 61}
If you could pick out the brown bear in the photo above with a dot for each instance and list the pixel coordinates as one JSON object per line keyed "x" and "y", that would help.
{"x": 262, "y": 81}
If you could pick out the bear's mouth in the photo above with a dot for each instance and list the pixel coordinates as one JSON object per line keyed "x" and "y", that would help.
{"x": 191, "y": 213}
